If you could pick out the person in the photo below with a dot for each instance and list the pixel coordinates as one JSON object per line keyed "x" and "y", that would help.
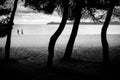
{"x": 18, "y": 31}
{"x": 22, "y": 31}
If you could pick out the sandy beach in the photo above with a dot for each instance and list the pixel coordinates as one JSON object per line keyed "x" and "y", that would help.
{"x": 29, "y": 58}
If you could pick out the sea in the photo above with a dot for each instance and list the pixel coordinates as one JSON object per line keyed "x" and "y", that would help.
{"x": 37, "y": 35}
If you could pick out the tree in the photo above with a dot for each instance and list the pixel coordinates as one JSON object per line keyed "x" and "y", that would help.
{"x": 109, "y": 6}
{"x": 48, "y": 6}
{"x": 55, "y": 36}
{"x": 2, "y": 2}
{"x": 77, "y": 15}
{"x": 116, "y": 12}
{"x": 10, "y": 24}
{"x": 100, "y": 4}
{"x": 79, "y": 7}
{"x": 104, "y": 42}
{"x": 45, "y": 6}
{"x": 4, "y": 11}
{"x": 3, "y": 22}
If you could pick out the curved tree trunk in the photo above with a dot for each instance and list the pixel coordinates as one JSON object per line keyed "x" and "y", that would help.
{"x": 55, "y": 36}
{"x": 10, "y": 24}
{"x": 105, "y": 45}
{"x": 69, "y": 48}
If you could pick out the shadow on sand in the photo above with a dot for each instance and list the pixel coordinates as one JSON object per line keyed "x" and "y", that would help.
{"x": 30, "y": 64}
{"x": 72, "y": 70}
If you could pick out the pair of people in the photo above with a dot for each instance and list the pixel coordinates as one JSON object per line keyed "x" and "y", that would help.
{"x": 18, "y": 31}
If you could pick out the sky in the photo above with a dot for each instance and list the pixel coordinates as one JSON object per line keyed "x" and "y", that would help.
{"x": 26, "y": 15}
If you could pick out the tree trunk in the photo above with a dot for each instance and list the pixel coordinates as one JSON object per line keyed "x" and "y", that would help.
{"x": 69, "y": 48}
{"x": 105, "y": 45}
{"x": 10, "y": 24}
{"x": 7, "y": 46}
{"x": 54, "y": 38}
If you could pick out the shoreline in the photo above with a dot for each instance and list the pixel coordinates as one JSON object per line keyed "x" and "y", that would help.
{"x": 82, "y": 23}
{"x": 57, "y": 23}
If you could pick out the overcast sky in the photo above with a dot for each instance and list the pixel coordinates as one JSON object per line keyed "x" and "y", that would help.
{"x": 25, "y": 15}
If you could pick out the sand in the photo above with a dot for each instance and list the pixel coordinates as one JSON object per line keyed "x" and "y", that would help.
{"x": 30, "y": 63}
{"x": 28, "y": 59}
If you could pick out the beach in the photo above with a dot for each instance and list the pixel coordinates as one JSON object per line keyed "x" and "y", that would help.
{"x": 29, "y": 57}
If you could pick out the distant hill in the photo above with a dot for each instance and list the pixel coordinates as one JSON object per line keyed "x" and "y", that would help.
{"x": 85, "y": 23}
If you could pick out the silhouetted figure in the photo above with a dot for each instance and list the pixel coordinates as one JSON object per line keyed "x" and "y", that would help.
{"x": 21, "y": 31}
{"x": 18, "y": 31}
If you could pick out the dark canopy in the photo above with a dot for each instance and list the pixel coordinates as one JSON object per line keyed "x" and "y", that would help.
{"x": 4, "y": 22}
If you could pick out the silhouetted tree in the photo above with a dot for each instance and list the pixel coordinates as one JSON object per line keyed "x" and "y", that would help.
{"x": 77, "y": 16}
{"x": 105, "y": 44}
{"x": 10, "y": 25}
{"x": 116, "y": 12}
{"x": 109, "y": 6}
{"x": 53, "y": 39}
{"x": 2, "y": 2}
{"x": 3, "y": 22}
{"x": 99, "y": 4}
{"x": 45, "y": 6}
{"x": 4, "y": 11}
{"x": 48, "y": 6}
{"x": 79, "y": 7}
{"x": 4, "y": 27}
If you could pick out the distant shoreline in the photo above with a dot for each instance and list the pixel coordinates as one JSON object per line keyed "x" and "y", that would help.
{"x": 83, "y": 23}
{"x": 69, "y": 23}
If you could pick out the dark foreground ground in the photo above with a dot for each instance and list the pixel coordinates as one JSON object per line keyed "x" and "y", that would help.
{"x": 28, "y": 63}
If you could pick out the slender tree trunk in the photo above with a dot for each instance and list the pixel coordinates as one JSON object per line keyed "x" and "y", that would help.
{"x": 105, "y": 45}
{"x": 10, "y": 24}
{"x": 7, "y": 46}
{"x": 54, "y": 38}
{"x": 69, "y": 48}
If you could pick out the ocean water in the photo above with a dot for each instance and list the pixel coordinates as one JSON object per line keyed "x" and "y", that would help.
{"x": 39, "y": 29}
{"x": 39, "y": 35}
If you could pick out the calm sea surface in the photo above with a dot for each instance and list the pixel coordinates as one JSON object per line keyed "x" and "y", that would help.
{"x": 50, "y": 29}
{"x": 39, "y": 35}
